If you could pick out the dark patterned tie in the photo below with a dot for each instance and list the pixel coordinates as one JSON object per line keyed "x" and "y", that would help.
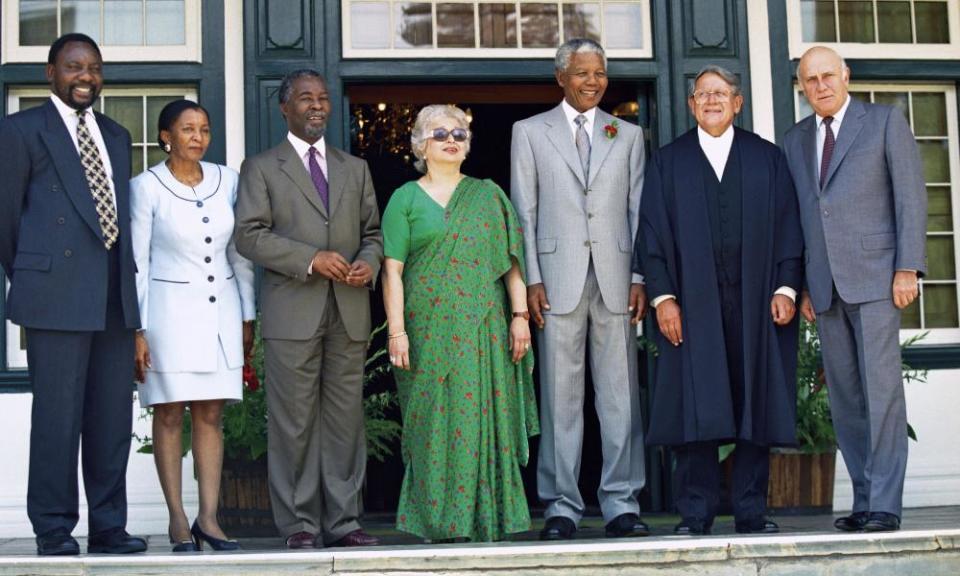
{"x": 583, "y": 145}
{"x": 319, "y": 180}
{"x": 828, "y": 143}
{"x": 98, "y": 182}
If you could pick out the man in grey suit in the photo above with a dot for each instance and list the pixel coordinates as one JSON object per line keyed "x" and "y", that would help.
{"x": 576, "y": 177}
{"x": 863, "y": 207}
{"x": 308, "y": 214}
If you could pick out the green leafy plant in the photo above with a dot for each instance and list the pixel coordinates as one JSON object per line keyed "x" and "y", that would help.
{"x": 245, "y": 423}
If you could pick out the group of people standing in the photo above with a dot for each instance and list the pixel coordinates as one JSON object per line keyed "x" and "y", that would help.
{"x": 720, "y": 233}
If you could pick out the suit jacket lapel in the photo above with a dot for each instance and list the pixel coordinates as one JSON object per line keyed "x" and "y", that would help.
{"x": 562, "y": 138}
{"x": 600, "y": 144}
{"x": 292, "y": 166}
{"x": 809, "y": 144}
{"x": 66, "y": 161}
{"x": 336, "y": 177}
{"x": 849, "y": 130}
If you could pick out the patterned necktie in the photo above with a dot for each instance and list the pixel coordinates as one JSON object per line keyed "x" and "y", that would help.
{"x": 98, "y": 183}
{"x": 828, "y": 143}
{"x": 583, "y": 144}
{"x": 319, "y": 180}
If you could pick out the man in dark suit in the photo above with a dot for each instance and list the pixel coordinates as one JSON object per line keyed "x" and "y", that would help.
{"x": 863, "y": 204}
{"x": 65, "y": 247}
{"x": 307, "y": 213}
{"x": 720, "y": 240}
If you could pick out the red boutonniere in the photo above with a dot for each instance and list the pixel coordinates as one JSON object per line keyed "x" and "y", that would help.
{"x": 250, "y": 376}
{"x": 611, "y": 129}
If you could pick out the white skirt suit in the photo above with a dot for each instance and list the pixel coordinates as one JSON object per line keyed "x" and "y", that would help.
{"x": 194, "y": 289}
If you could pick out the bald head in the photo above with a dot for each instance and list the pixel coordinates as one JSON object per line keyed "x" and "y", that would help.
{"x": 824, "y": 77}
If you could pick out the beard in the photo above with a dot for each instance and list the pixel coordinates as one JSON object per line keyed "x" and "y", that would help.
{"x": 315, "y": 131}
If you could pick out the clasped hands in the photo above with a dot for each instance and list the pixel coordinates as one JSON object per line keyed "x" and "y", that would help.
{"x": 334, "y": 266}
{"x": 669, "y": 319}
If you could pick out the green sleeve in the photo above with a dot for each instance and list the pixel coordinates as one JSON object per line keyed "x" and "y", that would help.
{"x": 396, "y": 225}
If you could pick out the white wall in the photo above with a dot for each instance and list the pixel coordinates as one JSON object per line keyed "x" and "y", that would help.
{"x": 933, "y": 468}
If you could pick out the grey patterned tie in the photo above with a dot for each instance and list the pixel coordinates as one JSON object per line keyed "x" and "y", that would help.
{"x": 98, "y": 183}
{"x": 583, "y": 145}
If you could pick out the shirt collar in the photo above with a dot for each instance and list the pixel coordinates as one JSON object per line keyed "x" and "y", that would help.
{"x": 838, "y": 117}
{"x": 706, "y": 140}
{"x": 66, "y": 111}
{"x": 303, "y": 148}
{"x": 571, "y": 113}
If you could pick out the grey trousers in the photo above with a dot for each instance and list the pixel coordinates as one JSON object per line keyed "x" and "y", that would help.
{"x": 613, "y": 355}
{"x": 861, "y": 358}
{"x": 315, "y": 444}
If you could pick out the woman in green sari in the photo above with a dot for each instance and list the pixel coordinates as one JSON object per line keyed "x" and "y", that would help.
{"x": 459, "y": 339}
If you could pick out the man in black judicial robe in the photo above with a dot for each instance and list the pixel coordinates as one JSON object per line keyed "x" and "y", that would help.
{"x": 720, "y": 246}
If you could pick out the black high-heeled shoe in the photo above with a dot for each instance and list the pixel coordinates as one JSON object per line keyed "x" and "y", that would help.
{"x": 182, "y": 545}
{"x": 199, "y": 537}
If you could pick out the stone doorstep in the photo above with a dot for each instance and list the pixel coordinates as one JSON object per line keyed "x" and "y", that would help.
{"x": 736, "y": 554}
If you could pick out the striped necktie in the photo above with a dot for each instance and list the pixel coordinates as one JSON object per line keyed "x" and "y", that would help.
{"x": 829, "y": 142}
{"x": 583, "y": 145}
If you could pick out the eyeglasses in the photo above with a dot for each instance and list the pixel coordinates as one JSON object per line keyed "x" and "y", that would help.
{"x": 702, "y": 96}
{"x": 441, "y": 134}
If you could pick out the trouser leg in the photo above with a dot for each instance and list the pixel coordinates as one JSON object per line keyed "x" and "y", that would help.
{"x": 697, "y": 480}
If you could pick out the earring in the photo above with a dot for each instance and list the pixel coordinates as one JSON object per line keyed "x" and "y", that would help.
{"x": 166, "y": 147}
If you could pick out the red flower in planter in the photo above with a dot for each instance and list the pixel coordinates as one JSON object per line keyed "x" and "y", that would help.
{"x": 250, "y": 379}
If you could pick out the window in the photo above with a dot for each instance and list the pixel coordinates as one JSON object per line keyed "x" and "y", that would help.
{"x": 932, "y": 113}
{"x": 137, "y": 109}
{"x": 877, "y": 28}
{"x": 489, "y": 29}
{"x": 126, "y": 30}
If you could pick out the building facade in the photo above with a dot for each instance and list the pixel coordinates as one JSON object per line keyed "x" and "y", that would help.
{"x": 383, "y": 58}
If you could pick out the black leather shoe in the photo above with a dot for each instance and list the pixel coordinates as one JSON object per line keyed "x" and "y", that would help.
{"x": 57, "y": 543}
{"x": 851, "y": 523}
{"x": 199, "y": 537}
{"x": 756, "y": 526}
{"x": 882, "y": 522}
{"x": 558, "y": 528}
{"x": 691, "y": 527}
{"x": 115, "y": 541}
{"x": 627, "y": 525}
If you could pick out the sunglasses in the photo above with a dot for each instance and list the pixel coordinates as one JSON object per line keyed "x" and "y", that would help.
{"x": 441, "y": 134}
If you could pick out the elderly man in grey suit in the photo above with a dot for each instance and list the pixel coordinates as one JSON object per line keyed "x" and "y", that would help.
{"x": 576, "y": 177}
{"x": 863, "y": 208}
{"x": 308, "y": 214}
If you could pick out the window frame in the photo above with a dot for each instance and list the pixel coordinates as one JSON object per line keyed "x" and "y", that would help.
{"x": 12, "y": 52}
{"x": 877, "y": 50}
{"x": 935, "y": 335}
{"x": 350, "y": 53}
{"x": 15, "y": 359}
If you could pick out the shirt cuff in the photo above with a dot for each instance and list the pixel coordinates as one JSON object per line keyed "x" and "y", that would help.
{"x": 788, "y": 292}
{"x": 656, "y": 301}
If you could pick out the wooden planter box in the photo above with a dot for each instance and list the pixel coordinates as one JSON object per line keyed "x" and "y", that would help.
{"x": 801, "y": 483}
{"x": 245, "y": 499}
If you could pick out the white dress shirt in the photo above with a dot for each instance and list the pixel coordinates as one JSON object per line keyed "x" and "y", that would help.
{"x": 71, "y": 118}
{"x": 303, "y": 151}
{"x": 571, "y": 114}
{"x": 717, "y": 151}
{"x": 822, "y": 130}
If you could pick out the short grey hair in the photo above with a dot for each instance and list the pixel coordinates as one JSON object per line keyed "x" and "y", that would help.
{"x": 426, "y": 117}
{"x": 286, "y": 86}
{"x": 843, "y": 61}
{"x": 577, "y": 46}
{"x": 724, "y": 74}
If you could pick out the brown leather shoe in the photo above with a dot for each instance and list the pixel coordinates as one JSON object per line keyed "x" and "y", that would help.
{"x": 357, "y": 538}
{"x": 300, "y": 540}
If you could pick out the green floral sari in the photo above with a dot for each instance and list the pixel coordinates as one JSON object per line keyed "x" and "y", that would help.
{"x": 467, "y": 408}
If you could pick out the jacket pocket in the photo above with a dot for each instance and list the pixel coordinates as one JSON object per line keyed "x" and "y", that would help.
{"x": 32, "y": 261}
{"x": 170, "y": 281}
{"x": 882, "y": 241}
{"x": 546, "y": 245}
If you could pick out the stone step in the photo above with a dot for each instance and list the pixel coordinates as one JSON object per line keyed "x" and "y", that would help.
{"x": 915, "y": 552}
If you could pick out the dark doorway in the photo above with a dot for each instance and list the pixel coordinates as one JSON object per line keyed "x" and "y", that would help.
{"x": 381, "y": 117}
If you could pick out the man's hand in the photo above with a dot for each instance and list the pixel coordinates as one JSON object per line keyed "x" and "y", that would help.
{"x": 360, "y": 273}
{"x": 668, "y": 317}
{"x": 331, "y": 265}
{"x": 806, "y": 308}
{"x": 905, "y": 288}
{"x": 638, "y": 303}
{"x": 782, "y": 309}
{"x": 537, "y": 303}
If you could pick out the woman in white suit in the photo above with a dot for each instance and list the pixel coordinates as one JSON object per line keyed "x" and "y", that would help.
{"x": 197, "y": 310}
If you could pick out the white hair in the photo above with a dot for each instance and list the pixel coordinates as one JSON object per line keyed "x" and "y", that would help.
{"x": 577, "y": 46}
{"x": 430, "y": 114}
